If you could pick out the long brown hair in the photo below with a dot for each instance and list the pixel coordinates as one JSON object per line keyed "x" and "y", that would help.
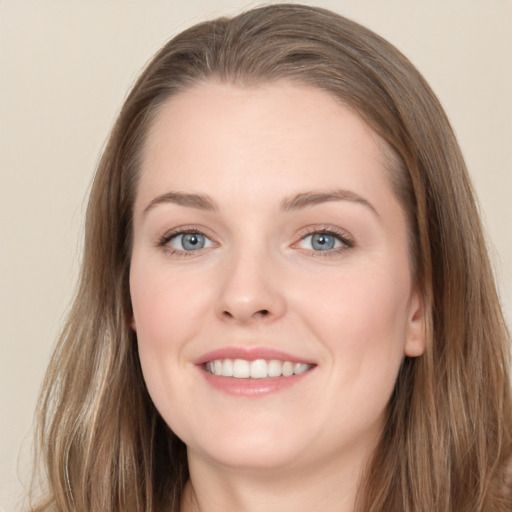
{"x": 447, "y": 440}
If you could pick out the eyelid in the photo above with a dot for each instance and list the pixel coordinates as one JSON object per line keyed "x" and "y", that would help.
{"x": 346, "y": 239}
{"x": 163, "y": 240}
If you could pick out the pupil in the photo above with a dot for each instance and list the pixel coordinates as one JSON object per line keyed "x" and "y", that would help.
{"x": 322, "y": 242}
{"x": 193, "y": 241}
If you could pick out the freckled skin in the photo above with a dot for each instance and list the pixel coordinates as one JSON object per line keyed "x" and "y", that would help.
{"x": 259, "y": 281}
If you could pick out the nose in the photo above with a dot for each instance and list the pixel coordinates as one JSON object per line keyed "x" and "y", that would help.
{"x": 251, "y": 290}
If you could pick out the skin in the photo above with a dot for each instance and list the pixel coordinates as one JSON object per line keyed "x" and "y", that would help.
{"x": 353, "y": 311}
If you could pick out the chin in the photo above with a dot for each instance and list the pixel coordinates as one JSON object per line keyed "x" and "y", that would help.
{"x": 242, "y": 448}
{"x": 252, "y": 457}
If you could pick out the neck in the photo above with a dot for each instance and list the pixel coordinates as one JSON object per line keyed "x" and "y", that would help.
{"x": 219, "y": 489}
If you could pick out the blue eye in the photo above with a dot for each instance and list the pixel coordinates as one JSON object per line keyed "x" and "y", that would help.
{"x": 189, "y": 242}
{"x": 323, "y": 242}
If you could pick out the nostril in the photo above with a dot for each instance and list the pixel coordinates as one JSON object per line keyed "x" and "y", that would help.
{"x": 261, "y": 313}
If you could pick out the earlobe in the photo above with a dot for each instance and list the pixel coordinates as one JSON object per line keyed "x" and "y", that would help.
{"x": 416, "y": 337}
{"x": 132, "y": 324}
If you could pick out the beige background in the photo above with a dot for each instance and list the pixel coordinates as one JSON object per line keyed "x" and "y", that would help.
{"x": 65, "y": 69}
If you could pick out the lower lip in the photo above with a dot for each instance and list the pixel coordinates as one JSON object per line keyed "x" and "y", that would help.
{"x": 253, "y": 387}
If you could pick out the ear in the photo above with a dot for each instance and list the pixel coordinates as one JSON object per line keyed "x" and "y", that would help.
{"x": 415, "y": 341}
{"x": 132, "y": 324}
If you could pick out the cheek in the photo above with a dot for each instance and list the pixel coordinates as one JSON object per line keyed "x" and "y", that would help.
{"x": 361, "y": 316}
{"x": 165, "y": 312}
{"x": 165, "y": 306}
{"x": 359, "y": 298}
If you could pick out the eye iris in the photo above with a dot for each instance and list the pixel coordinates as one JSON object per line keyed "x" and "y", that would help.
{"x": 322, "y": 242}
{"x": 192, "y": 241}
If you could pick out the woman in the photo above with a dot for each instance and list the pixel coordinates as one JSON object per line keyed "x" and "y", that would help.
{"x": 285, "y": 299}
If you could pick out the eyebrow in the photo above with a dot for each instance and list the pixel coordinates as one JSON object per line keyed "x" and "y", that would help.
{"x": 313, "y": 198}
{"x": 199, "y": 201}
{"x": 297, "y": 202}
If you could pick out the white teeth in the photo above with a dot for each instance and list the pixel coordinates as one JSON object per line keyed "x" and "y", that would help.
{"x": 300, "y": 368}
{"x": 274, "y": 368}
{"x": 287, "y": 368}
{"x": 227, "y": 368}
{"x": 257, "y": 369}
{"x": 241, "y": 369}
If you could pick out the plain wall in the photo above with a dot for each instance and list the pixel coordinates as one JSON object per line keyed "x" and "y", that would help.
{"x": 65, "y": 69}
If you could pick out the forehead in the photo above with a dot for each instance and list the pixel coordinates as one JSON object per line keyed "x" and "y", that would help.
{"x": 271, "y": 137}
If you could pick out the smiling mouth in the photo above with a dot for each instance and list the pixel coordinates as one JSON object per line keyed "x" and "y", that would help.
{"x": 257, "y": 369}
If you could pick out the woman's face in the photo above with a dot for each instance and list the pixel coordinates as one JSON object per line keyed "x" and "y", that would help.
{"x": 268, "y": 241}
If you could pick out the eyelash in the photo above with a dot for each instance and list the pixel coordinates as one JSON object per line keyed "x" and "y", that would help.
{"x": 346, "y": 240}
{"x": 164, "y": 240}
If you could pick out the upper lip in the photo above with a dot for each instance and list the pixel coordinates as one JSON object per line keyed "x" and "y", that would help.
{"x": 250, "y": 354}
